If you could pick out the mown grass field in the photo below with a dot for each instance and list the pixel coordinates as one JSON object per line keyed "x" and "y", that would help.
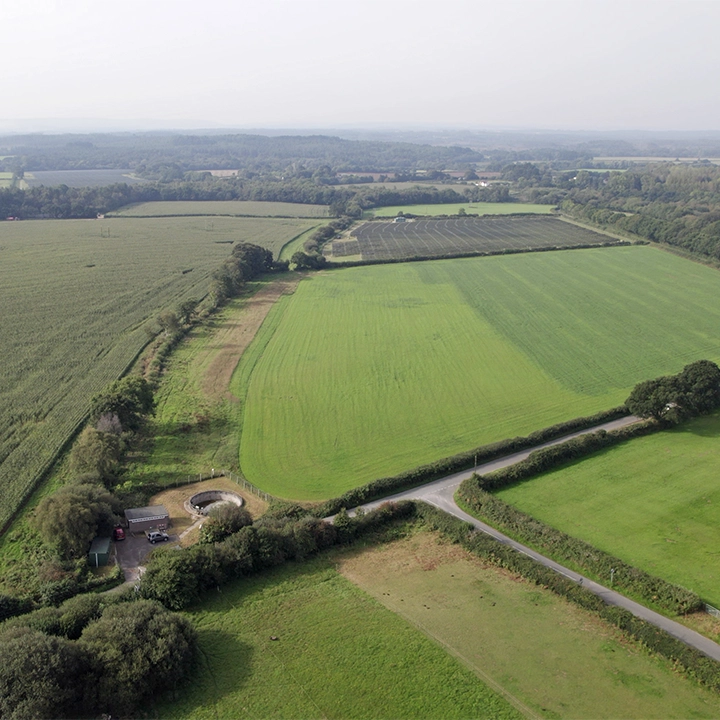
{"x": 425, "y": 635}
{"x": 338, "y": 654}
{"x": 370, "y": 371}
{"x": 478, "y": 208}
{"x": 554, "y": 658}
{"x": 438, "y": 237}
{"x": 76, "y": 305}
{"x": 81, "y": 178}
{"x": 654, "y": 502}
{"x": 223, "y": 207}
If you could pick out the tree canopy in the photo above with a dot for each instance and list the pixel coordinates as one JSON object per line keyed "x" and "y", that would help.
{"x": 672, "y": 398}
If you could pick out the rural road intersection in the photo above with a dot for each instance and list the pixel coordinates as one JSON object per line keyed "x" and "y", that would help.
{"x": 440, "y": 493}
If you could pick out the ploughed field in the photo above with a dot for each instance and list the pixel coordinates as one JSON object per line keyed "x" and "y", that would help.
{"x": 222, "y": 207}
{"x": 654, "y": 502}
{"x": 76, "y": 305}
{"x": 435, "y": 237}
{"x": 367, "y": 372}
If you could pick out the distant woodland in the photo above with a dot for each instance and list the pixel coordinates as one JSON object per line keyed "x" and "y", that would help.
{"x": 661, "y": 201}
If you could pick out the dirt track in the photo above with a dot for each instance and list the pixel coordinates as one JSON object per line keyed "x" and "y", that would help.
{"x": 237, "y": 333}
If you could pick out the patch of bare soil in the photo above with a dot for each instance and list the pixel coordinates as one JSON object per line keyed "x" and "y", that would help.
{"x": 235, "y": 336}
{"x": 174, "y": 501}
{"x": 423, "y": 551}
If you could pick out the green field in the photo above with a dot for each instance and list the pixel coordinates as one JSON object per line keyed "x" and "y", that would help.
{"x": 370, "y": 371}
{"x": 76, "y": 304}
{"x": 6, "y": 179}
{"x": 554, "y": 658}
{"x": 479, "y": 208}
{"x": 654, "y": 502}
{"x": 435, "y": 629}
{"x": 223, "y": 207}
{"x": 338, "y": 654}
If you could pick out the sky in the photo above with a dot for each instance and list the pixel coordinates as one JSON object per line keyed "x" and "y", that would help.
{"x": 406, "y": 64}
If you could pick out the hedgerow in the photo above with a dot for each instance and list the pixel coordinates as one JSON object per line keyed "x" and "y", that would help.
{"x": 696, "y": 664}
{"x": 475, "y": 494}
{"x": 177, "y": 578}
{"x": 462, "y": 461}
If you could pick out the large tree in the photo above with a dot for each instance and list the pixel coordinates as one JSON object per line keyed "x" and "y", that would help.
{"x": 71, "y": 517}
{"x": 140, "y": 650}
{"x": 130, "y": 398}
{"x": 693, "y": 391}
{"x": 42, "y": 676}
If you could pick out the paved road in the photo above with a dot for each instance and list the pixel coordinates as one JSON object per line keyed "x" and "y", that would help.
{"x": 440, "y": 493}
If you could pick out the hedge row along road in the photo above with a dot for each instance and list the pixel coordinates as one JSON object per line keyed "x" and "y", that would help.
{"x": 441, "y": 494}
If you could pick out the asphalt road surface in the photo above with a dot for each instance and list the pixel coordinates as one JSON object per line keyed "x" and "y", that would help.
{"x": 440, "y": 493}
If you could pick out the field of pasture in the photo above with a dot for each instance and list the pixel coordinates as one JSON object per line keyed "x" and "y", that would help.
{"x": 478, "y": 208}
{"x": 337, "y": 653}
{"x": 654, "y": 502}
{"x": 366, "y": 372}
{"x": 5, "y": 179}
{"x": 77, "y": 298}
{"x": 81, "y": 178}
{"x": 237, "y": 208}
{"x": 435, "y": 237}
{"x": 417, "y": 628}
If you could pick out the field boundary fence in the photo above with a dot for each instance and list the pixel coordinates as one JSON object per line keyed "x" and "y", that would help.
{"x": 710, "y": 610}
{"x": 237, "y": 479}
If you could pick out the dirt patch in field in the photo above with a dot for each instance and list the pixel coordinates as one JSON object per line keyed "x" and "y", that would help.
{"x": 174, "y": 500}
{"x": 236, "y": 334}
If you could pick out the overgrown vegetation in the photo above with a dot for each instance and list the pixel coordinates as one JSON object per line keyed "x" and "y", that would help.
{"x": 177, "y": 578}
{"x": 92, "y": 655}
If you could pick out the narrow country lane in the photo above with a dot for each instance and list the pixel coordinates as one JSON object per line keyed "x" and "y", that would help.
{"x": 441, "y": 494}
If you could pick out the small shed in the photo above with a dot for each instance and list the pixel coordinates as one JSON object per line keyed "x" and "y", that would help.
{"x": 99, "y": 553}
{"x": 154, "y": 517}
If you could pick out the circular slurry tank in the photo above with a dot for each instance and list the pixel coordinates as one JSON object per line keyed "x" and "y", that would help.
{"x": 201, "y": 503}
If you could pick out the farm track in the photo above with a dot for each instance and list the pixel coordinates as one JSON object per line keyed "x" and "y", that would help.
{"x": 441, "y": 494}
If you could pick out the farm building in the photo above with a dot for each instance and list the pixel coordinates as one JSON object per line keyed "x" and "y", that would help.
{"x": 154, "y": 517}
{"x": 99, "y": 553}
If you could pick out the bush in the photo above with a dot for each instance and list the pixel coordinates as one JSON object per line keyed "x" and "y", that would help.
{"x": 43, "y": 676}
{"x": 139, "y": 650}
{"x": 224, "y": 520}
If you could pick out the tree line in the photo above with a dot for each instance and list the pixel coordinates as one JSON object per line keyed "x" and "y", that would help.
{"x": 63, "y": 202}
{"x": 148, "y": 153}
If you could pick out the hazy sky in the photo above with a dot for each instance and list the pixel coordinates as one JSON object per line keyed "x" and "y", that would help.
{"x": 552, "y": 64}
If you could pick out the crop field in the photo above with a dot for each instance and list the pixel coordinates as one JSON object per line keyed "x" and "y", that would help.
{"x": 479, "y": 208}
{"x": 5, "y": 179}
{"x": 654, "y": 502}
{"x": 369, "y": 371}
{"x": 238, "y": 208}
{"x": 76, "y": 304}
{"x": 434, "y": 237}
{"x": 338, "y": 654}
{"x": 81, "y": 178}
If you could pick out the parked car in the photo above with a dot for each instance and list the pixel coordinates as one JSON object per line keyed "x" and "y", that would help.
{"x": 155, "y": 536}
{"x": 118, "y": 534}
